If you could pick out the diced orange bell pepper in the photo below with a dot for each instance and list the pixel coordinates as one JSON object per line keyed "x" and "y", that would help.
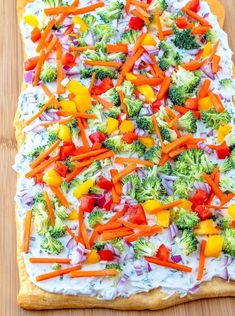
{"x": 214, "y": 246}
{"x": 206, "y": 228}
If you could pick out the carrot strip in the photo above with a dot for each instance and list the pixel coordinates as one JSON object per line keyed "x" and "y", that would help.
{"x": 117, "y": 186}
{"x": 58, "y": 10}
{"x": 229, "y": 197}
{"x": 164, "y": 88}
{"x": 41, "y": 167}
{"x": 60, "y": 196}
{"x": 51, "y": 46}
{"x": 64, "y": 121}
{"x": 139, "y": 4}
{"x": 157, "y": 130}
{"x": 163, "y": 159}
{"x": 171, "y": 265}
{"x": 200, "y": 30}
{"x": 167, "y": 206}
{"x": 69, "y": 231}
{"x": 124, "y": 172}
{"x": 115, "y": 196}
{"x": 45, "y": 34}
{"x": 204, "y": 89}
{"x": 64, "y": 15}
{"x": 201, "y": 260}
{"x": 140, "y": 15}
{"x": 82, "y": 232}
{"x": 89, "y": 154}
{"x": 216, "y": 101}
{"x": 117, "y": 48}
{"x": 45, "y": 154}
{"x": 129, "y": 63}
{"x": 92, "y": 82}
{"x": 159, "y": 25}
{"x": 49, "y": 94}
{"x": 38, "y": 68}
{"x": 214, "y": 187}
{"x": 125, "y": 160}
{"x": 105, "y": 103}
{"x": 141, "y": 80}
{"x": 27, "y": 229}
{"x": 50, "y": 260}
{"x": 134, "y": 226}
{"x": 215, "y": 63}
{"x": 105, "y": 155}
{"x": 193, "y": 65}
{"x": 109, "y": 236}
{"x": 123, "y": 105}
{"x": 83, "y": 133}
{"x": 118, "y": 214}
{"x": 81, "y": 48}
{"x": 176, "y": 152}
{"x": 170, "y": 112}
{"x": 113, "y": 64}
{"x": 107, "y": 226}
{"x": 73, "y": 174}
{"x": 50, "y": 209}
{"x": 94, "y": 273}
{"x": 156, "y": 68}
{"x": 93, "y": 237}
{"x": 60, "y": 73}
{"x": 54, "y": 274}
{"x": 178, "y": 142}
{"x": 196, "y": 17}
{"x": 89, "y": 8}
{"x": 155, "y": 229}
{"x": 214, "y": 50}
{"x": 184, "y": 110}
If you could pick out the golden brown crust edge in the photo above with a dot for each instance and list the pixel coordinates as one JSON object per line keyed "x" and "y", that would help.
{"x": 31, "y": 297}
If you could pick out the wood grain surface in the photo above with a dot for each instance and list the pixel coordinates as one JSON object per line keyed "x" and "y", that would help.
{"x": 10, "y": 79}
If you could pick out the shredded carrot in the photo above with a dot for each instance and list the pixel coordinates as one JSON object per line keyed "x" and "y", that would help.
{"x": 193, "y": 65}
{"x": 60, "y": 73}
{"x": 176, "y": 152}
{"x": 200, "y": 30}
{"x": 167, "y": 32}
{"x": 125, "y": 160}
{"x": 117, "y": 185}
{"x": 60, "y": 196}
{"x": 63, "y": 121}
{"x": 38, "y": 68}
{"x": 123, "y": 105}
{"x": 41, "y": 167}
{"x": 163, "y": 159}
{"x": 156, "y": 68}
{"x": 82, "y": 230}
{"x": 134, "y": 226}
{"x": 94, "y": 273}
{"x": 58, "y": 10}
{"x": 184, "y": 110}
{"x": 27, "y": 230}
{"x": 50, "y": 209}
{"x": 81, "y": 48}
{"x": 154, "y": 230}
{"x": 229, "y": 197}
{"x": 73, "y": 174}
{"x": 89, "y": 154}
{"x": 115, "y": 196}
{"x": 49, "y": 260}
{"x": 51, "y": 46}
{"x": 215, "y": 63}
{"x": 64, "y": 15}
{"x": 171, "y": 265}
{"x": 83, "y": 133}
{"x": 44, "y": 154}
{"x": 217, "y": 207}
{"x": 50, "y": 94}
{"x": 129, "y": 63}
{"x": 54, "y": 274}
{"x": 201, "y": 260}
{"x": 159, "y": 25}
{"x": 105, "y": 155}
{"x": 139, "y": 4}
{"x": 124, "y": 172}
{"x": 178, "y": 142}
{"x": 113, "y": 235}
{"x": 164, "y": 88}
{"x": 93, "y": 237}
{"x": 196, "y": 17}
{"x": 45, "y": 35}
{"x": 141, "y": 80}
{"x": 92, "y": 82}
{"x": 215, "y": 188}
{"x": 69, "y": 231}
{"x": 157, "y": 130}
{"x": 214, "y": 49}
{"x": 117, "y": 48}
{"x": 204, "y": 89}
{"x": 107, "y": 226}
{"x": 105, "y": 103}
{"x": 167, "y": 206}
{"x": 216, "y": 101}
{"x": 89, "y": 8}
{"x": 140, "y": 15}
{"x": 127, "y": 6}
{"x": 113, "y": 64}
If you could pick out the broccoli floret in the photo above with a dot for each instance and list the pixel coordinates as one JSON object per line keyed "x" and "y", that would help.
{"x": 187, "y": 122}
{"x": 60, "y": 210}
{"x": 161, "y": 5}
{"x": 33, "y": 154}
{"x": 182, "y": 187}
{"x": 103, "y": 32}
{"x": 229, "y": 162}
{"x": 145, "y": 123}
{"x": 111, "y": 96}
{"x": 96, "y": 55}
{"x": 166, "y": 168}
{"x": 167, "y": 133}
{"x": 136, "y": 147}
{"x": 143, "y": 247}
{"x": 133, "y": 180}
{"x": 113, "y": 112}
{"x": 74, "y": 129}
{"x": 211, "y": 36}
{"x": 41, "y": 216}
{"x": 111, "y": 12}
{"x": 229, "y": 241}
{"x": 133, "y": 106}
{"x": 97, "y": 111}
{"x": 118, "y": 244}
{"x": 188, "y": 242}
{"x": 95, "y": 217}
{"x": 89, "y": 19}
{"x": 100, "y": 73}
{"x": 149, "y": 189}
{"x": 214, "y": 119}
{"x": 48, "y": 73}
{"x": 92, "y": 169}
{"x": 227, "y": 185}
{"x": 53, "y": 3}
{"x": 170, "y": 56}
{"x": 51, "y": 245}
{"x": 225, "y": 222}
{"x": 185, "y": 220}
{"x": 99, "y": 245}
{"x": 153, "y": 154}
{"x": 127, "y": 88}
{"x": 114, "y": 143}
{"x": 226, "y": 83}
{"x": 130, "y": 36}
{"x": 116, "y": 266}
{"x": 178, "y": 95}
{"x": 57, "y": 231}
{"x": 184, "y": 39}
{"x": 52, "y": 132}
{"x": 69, "y": 164}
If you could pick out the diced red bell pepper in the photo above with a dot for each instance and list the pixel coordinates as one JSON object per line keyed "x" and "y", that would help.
{"x": 61, "y": 168}
{"x": 233, "y": 224}
{"x": 199, "y": 197}
{"x": 97, "y": 137}
{"x": 66, "y": 150}
{"x": 156, "y": 106}
{"x": 149, "y": 1}
{"x": 203, "y": 212}
{"x": 136, "y": 215}
{"x": 181, "y": 22}
{"x": 105, "y": 85}
{"x": 68, "y": 60}
{"x": 223, "y": 150}
{"x": 87, "y": 203}
{"x": 104, "y": 183}
{"x": 103, "y": 201}
{"x": 106, "y": 255}
{"x": 163, "y": 253}
{"x": 35, "y": 35}
{"x": 130, "y": 137}
{"x": 136, "y": 23}
{"x": 193, "y": 5}
{"x": 30, "y": 63}
{"x": 191, "y": 104}
{"x": 39, "y": 178}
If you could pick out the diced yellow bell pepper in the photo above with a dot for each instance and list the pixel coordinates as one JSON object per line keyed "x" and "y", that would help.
{"x": 206, "y": 228}
{"x": 223, "y": 131}
{"x": 83, "y": 102}
{"x": 92, "y": 257}
{"x": 214, "y": 246}
{"x": 231, "y": 210}
{"x": 77, "y": 20}
{"x": 205, "y": 104}
{"x": 83, "y": 188}
{"x": 163, "y": 218}
{"x": 126, "y": 126}
{"x": 130, "y": 76}
{"x": 149, "y": 40}
{"x": 186, "y": 205}
{"x": 112, "y": 125}
{"x": 147, "y": 141}
{"x": 64, "y": 133}
{"x": 73, "y": 215}
{"x": 147, "y": 92}
{"x": 31, "y": 20}
{"x": 67, "y": 105}
{"x": 150, "y": 205}
{"x": 76, "y": 87}
{"x": 52, "y": 177}
{"x": 207, "y": 50}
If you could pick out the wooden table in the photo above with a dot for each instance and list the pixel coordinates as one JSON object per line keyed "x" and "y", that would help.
{"x": 10, "y": 78}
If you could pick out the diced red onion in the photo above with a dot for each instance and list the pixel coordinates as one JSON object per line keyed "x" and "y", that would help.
{"x": 141, "y": 173}
{"x": 228, "y": 260}
{"x": 28, "y": 76}
{"x": 167, "y": 187}
{"x": 173, "y": 230}
{"x": 138, "y": 268}
{"x": 67, "y": 21}
{"x": 198, "y": 185}
{"x": 192, "y": 51}
{"x": 160, "y": 53}
{"x": 145, "y": 58}
{"x": 207, "y": 69}
{"x": 194, "y": 289}
{"x": 167, "y": 177}
{"x": 203, "y": 134}
{"x": 128, "y": 200}
{"x": 205, "y": 15}
{"x": 205, "y": 148}
{"x": 26, "y": 197}
{"x": 71, "y": 243}
{"x": 126, "y": 189}
{"x": 169, "y": 71}
{"x": 148, "y": 266}
{"x": 151, "y": 49}
{"x": 146, "y": 111}
{"x": 77, "y": 255}
{"x": 122, "y": 282}
{"x": 176, "y": 258}
{"x": 140, "y": 132}
{"x": 224, "y": 274}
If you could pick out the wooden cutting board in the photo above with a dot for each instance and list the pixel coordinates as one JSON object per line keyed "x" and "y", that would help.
{"x": 10, "y": 78}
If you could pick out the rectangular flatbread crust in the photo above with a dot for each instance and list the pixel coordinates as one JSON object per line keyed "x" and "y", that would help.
{"x": 31, "y": 297}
